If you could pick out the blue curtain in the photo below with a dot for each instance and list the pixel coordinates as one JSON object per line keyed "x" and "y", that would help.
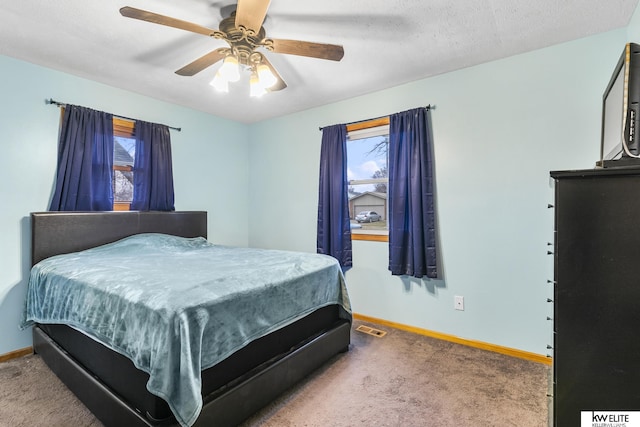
{"x": 334, "y": 226}
{"x": 152, "y": 169}
{"x": 412, "y": 234}
{"x": 85, "y": 161}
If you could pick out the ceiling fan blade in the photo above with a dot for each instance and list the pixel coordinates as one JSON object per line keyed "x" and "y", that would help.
{"x": 280, "y": 84}
{"x": 143, "y": 15}
{"x": 313, "y": 50}
{"x": 250, "y": 14}
{"x": 203, "y": 62}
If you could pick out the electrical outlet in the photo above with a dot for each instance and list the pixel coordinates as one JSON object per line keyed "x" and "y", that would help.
{"x": 458, "y": 302}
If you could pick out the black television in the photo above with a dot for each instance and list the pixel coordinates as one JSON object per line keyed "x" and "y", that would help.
{"x": 620, "y": 107}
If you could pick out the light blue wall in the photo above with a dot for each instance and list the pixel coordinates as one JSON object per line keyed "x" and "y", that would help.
{"x": 633, "y": 29}
{"x": 499, "y": 128}
{"x": 210, "y": 167}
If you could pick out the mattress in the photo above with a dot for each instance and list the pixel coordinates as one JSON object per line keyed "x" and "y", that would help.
{"x": 205, "y": 302}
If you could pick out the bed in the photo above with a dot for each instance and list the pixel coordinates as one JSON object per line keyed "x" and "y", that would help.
{"x": 234, "y": 384}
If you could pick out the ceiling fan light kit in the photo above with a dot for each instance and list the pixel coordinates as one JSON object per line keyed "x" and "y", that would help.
{"x": 244, "y": 34}
{"x": 266, "y": 77}
{"x": 230, "y": 69}
{"x": 256, "y": 90}
{"x": 219, "y": 83}
{"x": 260, "y": 80}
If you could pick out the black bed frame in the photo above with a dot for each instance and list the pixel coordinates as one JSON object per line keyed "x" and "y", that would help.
{"x": 63, "y": 232}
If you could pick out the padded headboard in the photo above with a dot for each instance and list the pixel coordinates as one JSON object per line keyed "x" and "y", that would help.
{"x": 54, "y": 233}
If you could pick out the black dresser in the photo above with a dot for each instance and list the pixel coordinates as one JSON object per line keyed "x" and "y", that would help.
{"x": 596, "y": 356}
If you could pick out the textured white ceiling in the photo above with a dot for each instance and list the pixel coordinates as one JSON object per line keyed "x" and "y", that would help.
{"x": 386, "y": 43}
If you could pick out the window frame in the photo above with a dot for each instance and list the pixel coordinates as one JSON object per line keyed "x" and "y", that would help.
{"x": 369, "y": 235}
{"x": 124, "y": 129}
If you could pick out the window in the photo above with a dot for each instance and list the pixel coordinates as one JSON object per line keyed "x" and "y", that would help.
{"x": 124, "y": 147}
{"x": 88, "y": 142}
{"x": 411, "y": 209}
{"x": 367, "y": 172}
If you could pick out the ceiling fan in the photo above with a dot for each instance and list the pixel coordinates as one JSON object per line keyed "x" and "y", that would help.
{"x": 245, "y": 36}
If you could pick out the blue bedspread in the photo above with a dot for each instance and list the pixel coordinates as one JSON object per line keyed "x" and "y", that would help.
{"x": 175, "y": 306}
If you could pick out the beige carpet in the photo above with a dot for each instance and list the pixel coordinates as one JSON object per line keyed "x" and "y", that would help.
{"x": 401, "y": 379}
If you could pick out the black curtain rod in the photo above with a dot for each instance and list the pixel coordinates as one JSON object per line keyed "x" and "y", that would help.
{"x": 61, "y": 104}
{"x": 428, "y": 107}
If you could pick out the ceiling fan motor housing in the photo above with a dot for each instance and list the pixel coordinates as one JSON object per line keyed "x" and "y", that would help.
{"x": 242, "y": 41}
